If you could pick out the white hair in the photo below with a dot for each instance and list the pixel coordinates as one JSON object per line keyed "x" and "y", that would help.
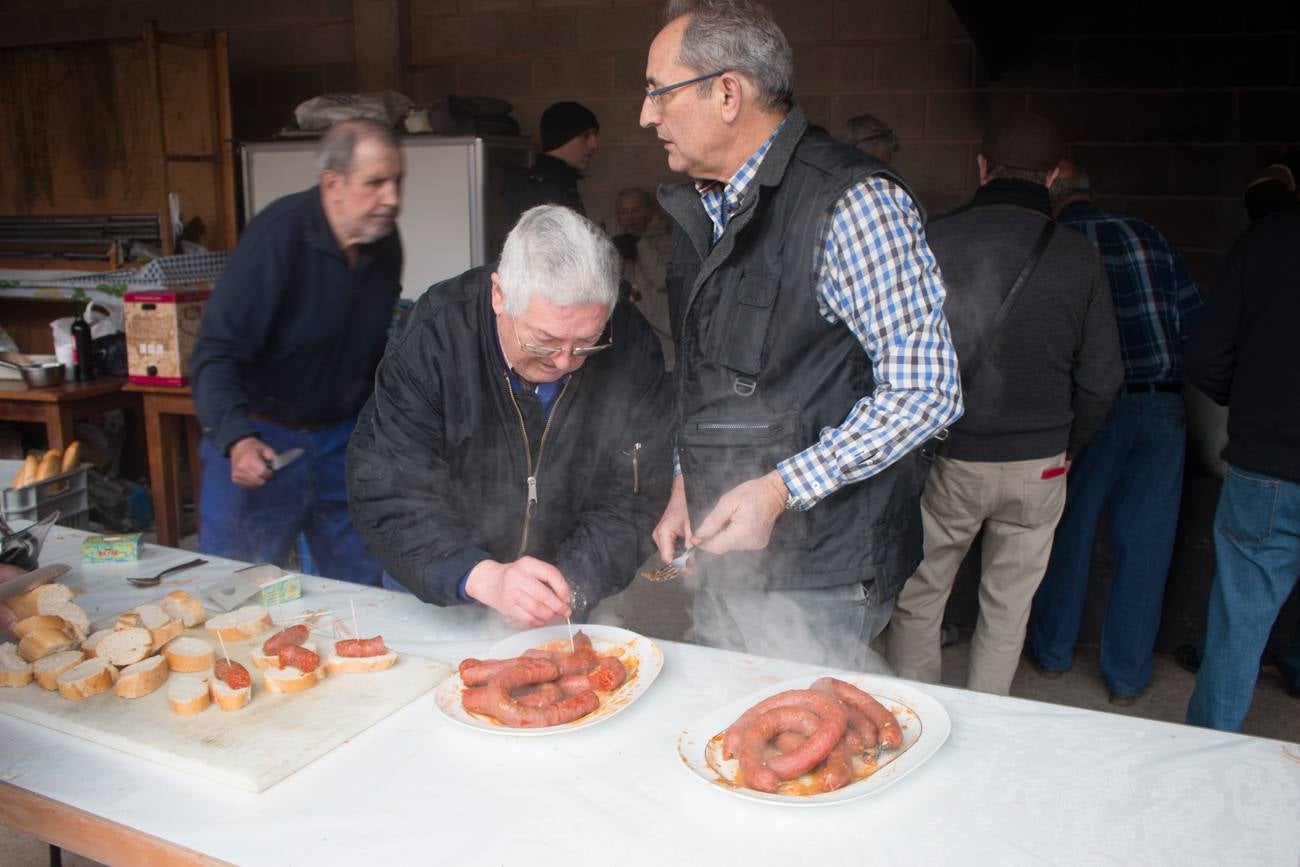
{"x": 560, "y": 255}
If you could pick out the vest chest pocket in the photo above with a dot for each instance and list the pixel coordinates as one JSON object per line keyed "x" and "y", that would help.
{"x": 738, "y": 338}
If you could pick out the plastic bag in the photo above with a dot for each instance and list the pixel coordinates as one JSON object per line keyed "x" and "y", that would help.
{"x": 102, "y": 323}
{"x": 321, "y": 112}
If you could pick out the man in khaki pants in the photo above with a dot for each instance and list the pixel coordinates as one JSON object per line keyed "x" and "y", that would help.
{"x": 1038, "y": 374}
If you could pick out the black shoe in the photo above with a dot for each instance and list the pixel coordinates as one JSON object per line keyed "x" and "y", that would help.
{"x": 1188, "y": 657}
{"x": 1044, "y": 671}
{"x": 1123, "y": 700}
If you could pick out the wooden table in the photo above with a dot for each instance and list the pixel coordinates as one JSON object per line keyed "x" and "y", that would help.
{"x": 169, "y": 416}
{"x": 60, "y": 406}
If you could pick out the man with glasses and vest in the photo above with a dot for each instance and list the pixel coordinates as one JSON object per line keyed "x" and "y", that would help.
{"x": 814, "y": 358}
{"x": 515, "y": 451}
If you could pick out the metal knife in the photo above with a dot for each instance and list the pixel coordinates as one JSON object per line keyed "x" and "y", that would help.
{"x": 35, "y": 578}
{"x": 284, "y": 458}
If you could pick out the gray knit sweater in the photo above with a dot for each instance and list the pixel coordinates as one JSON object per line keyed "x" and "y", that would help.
{"x": 1047, "y": 382}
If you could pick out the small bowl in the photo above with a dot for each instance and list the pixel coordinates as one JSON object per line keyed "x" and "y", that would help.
{"x": 38, "y": 375}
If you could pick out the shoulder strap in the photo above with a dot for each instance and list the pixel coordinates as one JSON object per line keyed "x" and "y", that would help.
{"x": 977, "y": 358}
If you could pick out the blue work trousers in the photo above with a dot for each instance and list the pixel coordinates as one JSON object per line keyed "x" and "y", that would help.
{"x": 308, "y": 497}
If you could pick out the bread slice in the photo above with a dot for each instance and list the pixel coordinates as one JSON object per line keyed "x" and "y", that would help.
{"x": 181, "y": 606}
{"x": 261, "y": 660}
{"x": 141, "y": 678}
{"x": 125, "y": 646}
{"x": 336, "y": 664}
{"x": 290, "y": 679}
{"x": 75, "y": 619}
{"x": 46, "y": 599}
{"x": 14, "y": 670}
{"x": 230, "y": 699}
{"x": 188, "y": 695}
{"x": 189, "y": 654}
{"x": 86, "y": 679}
{"x": 48, "y": 621}
{"x": 240, "y": 624}
{"x": 42, "y": 641}
{"x": 128, "y": 620}
{"x": 48, "y": 669}
{"x": 91, "y": 644}
{"x": 162, "y": 628}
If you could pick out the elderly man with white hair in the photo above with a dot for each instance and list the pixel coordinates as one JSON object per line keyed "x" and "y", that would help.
{"x": 515, "y": 450}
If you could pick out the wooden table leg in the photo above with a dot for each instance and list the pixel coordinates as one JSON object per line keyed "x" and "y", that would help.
{"x": 161, "y": 479}
{"x": 60, "y": 426}
{"x": 192, "y": 436}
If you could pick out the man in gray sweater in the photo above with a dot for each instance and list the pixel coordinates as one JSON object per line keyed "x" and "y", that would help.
{"x": 1036, "y": 388}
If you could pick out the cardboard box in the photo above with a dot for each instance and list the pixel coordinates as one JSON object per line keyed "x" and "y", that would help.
{"x": 117, "y": 548}
{"x": 161, "y": 330}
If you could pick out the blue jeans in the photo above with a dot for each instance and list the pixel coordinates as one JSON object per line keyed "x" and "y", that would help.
{"x": 308, "y": 497}
{"x": 1133, "y": 468}
{"x": 1256, "y": 562}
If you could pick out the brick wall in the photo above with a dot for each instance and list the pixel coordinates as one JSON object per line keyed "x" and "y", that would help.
{"x": 1170, "y": 112}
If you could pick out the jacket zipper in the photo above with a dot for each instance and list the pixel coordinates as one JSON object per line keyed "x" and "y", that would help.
{"x": 636, "y": 468}
{"x": 531, "y": 505}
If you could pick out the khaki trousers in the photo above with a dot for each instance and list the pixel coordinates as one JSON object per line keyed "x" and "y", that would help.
{"x": 1017, "y": 509}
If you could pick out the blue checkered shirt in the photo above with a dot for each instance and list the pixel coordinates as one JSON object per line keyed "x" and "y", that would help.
{"x": 1156, "y": 302}
{"x": 878, "y": 277}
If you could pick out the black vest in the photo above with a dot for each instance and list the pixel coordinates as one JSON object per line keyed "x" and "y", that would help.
{"x": 760, "y": 373}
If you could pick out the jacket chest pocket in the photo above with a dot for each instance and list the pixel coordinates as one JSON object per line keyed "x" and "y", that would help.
{"x": 738, "y": 337}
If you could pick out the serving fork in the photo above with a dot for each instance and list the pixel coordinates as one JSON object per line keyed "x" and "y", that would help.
{"x": 672, "y": 568}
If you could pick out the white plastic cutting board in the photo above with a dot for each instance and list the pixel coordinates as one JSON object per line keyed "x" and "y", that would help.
{"x": 250, "y": 749}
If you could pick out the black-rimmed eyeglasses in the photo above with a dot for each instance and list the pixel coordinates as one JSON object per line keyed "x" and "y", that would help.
{"x": 552, "y": 351}
{"x": 654, "y": 94}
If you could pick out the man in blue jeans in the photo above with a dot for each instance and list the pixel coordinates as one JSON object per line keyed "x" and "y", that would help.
{"x": 1243, "y": 355}
{"x": 1133, "y": 465}
{"x": 286, "y": 358}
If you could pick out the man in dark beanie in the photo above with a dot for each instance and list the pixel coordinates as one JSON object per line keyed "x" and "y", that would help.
{"x": 1032, "y": 319}
{"x": 568, "y": 139}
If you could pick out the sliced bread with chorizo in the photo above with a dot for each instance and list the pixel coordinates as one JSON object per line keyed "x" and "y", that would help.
{"x": 289, "y": 680}
{"x": 189, "y": 654}
{"x": 335, "y": 664}
{"x": 181, "y": 606}
{"x": 187, "y": 696}
{"x": 141, "y": 678}
{"x": 48, "y": 669}
{"x": 240, "y": 624}
{"x": 263, "y": 660}
{"x": 227, "y": 697}
{"x": 125, "y": 646}
{"x": 87, "y": 678}
{"x": 14, "y": 670}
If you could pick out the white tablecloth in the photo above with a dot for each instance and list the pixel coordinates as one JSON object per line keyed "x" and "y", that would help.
{"x": 1018, "y": 782}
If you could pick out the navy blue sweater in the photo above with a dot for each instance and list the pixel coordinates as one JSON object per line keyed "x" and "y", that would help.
{"x": 291, "y": 332}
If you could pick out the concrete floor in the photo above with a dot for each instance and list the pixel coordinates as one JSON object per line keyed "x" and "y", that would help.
{"x": 663, "y": 611}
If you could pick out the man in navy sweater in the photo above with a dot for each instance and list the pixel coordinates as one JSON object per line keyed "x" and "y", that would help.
{"x": 287, "y": 354}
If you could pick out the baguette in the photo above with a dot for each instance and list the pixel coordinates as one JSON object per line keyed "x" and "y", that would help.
{"x": 141, "y": 678}
{"x": 189, "y": 654}
{"x": 76, "y": 621}
{"x": 188, "y": 695}
{"x": 125, "y": 646}
{"x": 14, "y": 670}
{"x": 263, "y": 661}
{"x": 162, "y": 628}
{"x": 129, "y": 620}
{"x": 181, "y": 606}
{"x": 72, "y": 457}
{"x": 27, "y": 475}
{"x": 289, "y": 680}
{"x": 359, "y": 664}
{"x": 48, "y": 669}
{"x": 46, "y": 599}
{"x": 50, "y": 466}
{"x": 240, "y": 624}
{"x": 230, "y": 699}
{"x": 42, "y": 641}
{"x": 48, "y": 621}
{"x": 86, "y": 679}
{"x": 91, "y": 644}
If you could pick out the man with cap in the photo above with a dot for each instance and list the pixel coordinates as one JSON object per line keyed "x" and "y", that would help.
{"x": 568, "y": 139}
{"x": 1133, "y": 468}
{"x": 1039, "y": 372}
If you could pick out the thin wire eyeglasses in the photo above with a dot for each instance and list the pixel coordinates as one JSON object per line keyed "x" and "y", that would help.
{"x": 552, "y": 351}
{"x": 656, "y": 93}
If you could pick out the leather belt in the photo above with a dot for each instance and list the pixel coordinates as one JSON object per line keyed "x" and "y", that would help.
{"x": 1153, "y": 387}
{"x": 305, "y": 427}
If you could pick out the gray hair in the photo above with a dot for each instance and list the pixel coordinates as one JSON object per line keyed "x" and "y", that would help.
{"x": 338, "y": 146}
{"x": 736, "y": 35}
{"x": 560, "y": 255}
{"x": 866, "y": 128}
{"x": 1070, "y": 184}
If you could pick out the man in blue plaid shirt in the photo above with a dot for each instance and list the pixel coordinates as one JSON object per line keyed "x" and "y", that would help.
{"x": 813, "y": 355}
{"x": 1133, "y": 466}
